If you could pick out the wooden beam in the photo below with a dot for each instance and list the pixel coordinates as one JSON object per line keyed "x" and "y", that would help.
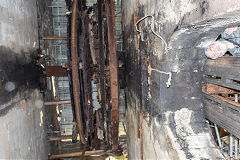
{"x": 224, "y": 114}
{"x": 53, "y": 38}
{"x": 78, "y": 154}
{"x": 59, "y": 138}
{"x": 215, "y": 89}
{"x": 112, "y": 43}
{"x": 225, "y": 67}
{"x": 226, "y": 100}
{"x": 220, "y": 82}
{"x": 57, "y": 102}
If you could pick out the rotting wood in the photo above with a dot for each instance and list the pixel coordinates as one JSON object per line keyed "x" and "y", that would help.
{"x": 226, "y": 67}
{"x": 226, "y": 115}
{"x": 78, "y": 154}
{"x": 212, "y": 88}
{"x": 226, "y": 100}
{"x": 111, "y": 25}
{"x": 75, "y": 74}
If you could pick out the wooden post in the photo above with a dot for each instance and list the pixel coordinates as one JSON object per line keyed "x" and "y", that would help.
{"x": 110, "y": 8}
{"x": 57, "y": 102}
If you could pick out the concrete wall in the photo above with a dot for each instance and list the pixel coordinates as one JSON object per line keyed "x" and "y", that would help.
{"x": 22, "y": 134}
{"x": 168, "y": 122}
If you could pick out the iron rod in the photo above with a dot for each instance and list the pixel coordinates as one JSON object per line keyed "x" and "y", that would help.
{"x": 236, "y": 139}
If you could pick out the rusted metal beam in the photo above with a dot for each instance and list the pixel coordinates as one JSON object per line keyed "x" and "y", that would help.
{"x": 53, "y": 38}
{"x": 56, "y": 71}
{"x": 57, "y": 102}
{"x": 59, "y": 138}
{"x": 111, "y": 25}
{"x": 75, "y": 74}
{"x": 78, "y": 154}
{"x": 216, "y": 89}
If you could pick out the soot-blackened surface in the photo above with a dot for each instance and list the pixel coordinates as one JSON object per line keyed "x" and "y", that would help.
{"x": 15, "y": 69}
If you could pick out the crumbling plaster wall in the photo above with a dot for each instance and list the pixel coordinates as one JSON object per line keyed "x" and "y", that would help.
{"x": 168, "y": 123}
{"x": 22, "y": 134}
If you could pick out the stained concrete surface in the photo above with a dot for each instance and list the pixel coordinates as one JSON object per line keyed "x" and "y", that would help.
{"x": 22, "y": 133}
{"x": 169, "y": 123}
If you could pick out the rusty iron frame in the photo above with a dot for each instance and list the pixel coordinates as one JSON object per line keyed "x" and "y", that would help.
{"x": 112, "y": 44}
{"x": 75, "y": 74}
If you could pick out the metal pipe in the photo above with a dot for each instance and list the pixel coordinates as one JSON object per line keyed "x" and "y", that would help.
{"x": 75, "y": 74}
{"x": 218, "y": 136}
{"x": 236, "y": 139}
{"x": 231, "y": 145}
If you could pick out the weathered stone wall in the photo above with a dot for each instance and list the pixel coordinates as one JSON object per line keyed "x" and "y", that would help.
{"x": 168, "y": 122}
{"x": 22, "y": 133}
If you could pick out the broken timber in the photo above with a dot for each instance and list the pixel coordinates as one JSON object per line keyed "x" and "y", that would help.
{"x": 53, "y": 38}
{"x": 59, "y": 138}
{"x": 111, "y": 25}
{"x": 57, "y": 102}
{"x": 78, "y": 154}
{"x": 75, "y": 74}
{"x": 223, "y": 72}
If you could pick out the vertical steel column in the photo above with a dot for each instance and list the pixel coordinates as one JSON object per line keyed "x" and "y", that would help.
{"x": 75, "y": 74}
{"x": 111, "y": 25}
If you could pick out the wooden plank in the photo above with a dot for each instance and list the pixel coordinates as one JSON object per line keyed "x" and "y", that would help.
{"x": 226, "y": 100}
{"x": 216, "y": 89}
{"x": 57, "y": 102}
{"x": 78, "y": 154}
{"x": 227, "y": 67}
{"x": 59, "y": 138}
{"x": 234, "y": 86}
{"x": 223, "y": 114}
{"x": 53, "y": 38}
